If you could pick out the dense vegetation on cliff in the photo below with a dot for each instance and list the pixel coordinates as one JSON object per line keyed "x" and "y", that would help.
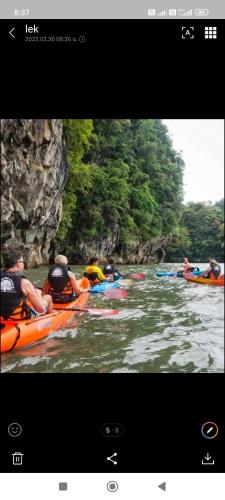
{"x": 105, "y": 187}
{"x": 124, "y": 176}
{"x": 200, "y": 234}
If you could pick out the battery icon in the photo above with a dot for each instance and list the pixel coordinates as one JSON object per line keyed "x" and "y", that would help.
{"x": 201, "y": 12}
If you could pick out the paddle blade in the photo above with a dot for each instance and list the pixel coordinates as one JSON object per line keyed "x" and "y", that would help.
{"x": 103, "y": 312}
{"x": 116, "y": 293}
{"x": 126, "y": 282}
{"x": 137, "y": 276}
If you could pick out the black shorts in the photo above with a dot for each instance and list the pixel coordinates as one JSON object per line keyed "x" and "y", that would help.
{"x": 63, "y": 299}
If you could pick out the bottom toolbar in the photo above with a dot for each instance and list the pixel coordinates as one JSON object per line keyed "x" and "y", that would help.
{"x": 101, "y": 486}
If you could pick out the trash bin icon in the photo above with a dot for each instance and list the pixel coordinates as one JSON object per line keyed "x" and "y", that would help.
{"x": 17, "y": 458}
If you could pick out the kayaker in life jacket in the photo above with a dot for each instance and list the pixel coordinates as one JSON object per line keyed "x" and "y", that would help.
{"x": 18, "y": 295}
{"x": 94, "y": 273}
{"x": 61, "y": 283}
{"x": 187, "y": 267}
{"x": 214, "y": 270}
{"x": 110, "y": 270}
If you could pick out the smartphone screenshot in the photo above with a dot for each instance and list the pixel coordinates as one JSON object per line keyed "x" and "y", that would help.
{"x": 112, "y": 250}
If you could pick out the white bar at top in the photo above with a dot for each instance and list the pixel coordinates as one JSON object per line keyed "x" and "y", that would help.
{"x": 110, "y": 9}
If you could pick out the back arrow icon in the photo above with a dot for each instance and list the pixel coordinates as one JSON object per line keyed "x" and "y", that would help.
{"x": 162, "y": 486}
{"x": 10, "y": 32}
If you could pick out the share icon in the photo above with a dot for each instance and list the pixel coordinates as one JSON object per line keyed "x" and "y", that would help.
{"x": 111, "y": 458}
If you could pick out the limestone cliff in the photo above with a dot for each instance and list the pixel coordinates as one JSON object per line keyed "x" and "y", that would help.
{"x": 33, "y": 175}
{"x": 150, "y": 252}
{"x": 34, "y": 172}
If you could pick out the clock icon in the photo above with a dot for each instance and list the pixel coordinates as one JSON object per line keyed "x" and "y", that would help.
{"x": 209, "y": 430}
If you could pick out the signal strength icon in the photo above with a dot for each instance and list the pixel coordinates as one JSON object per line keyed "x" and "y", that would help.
{"x": 183, "y": 12}
{"x": 188, "y": 13}
{"x": 162, "y": 13}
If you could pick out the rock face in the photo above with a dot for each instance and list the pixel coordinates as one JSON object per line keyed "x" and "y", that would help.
{"x": 150, "y": 252}
{"x": 33, "y": 175}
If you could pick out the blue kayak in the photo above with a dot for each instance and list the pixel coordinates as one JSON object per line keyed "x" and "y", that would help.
{"x": 178, "y": 274}
{"x": 105, "y": 285}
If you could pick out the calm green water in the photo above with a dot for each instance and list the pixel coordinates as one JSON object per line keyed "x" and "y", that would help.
{"x": 164, "y": 325}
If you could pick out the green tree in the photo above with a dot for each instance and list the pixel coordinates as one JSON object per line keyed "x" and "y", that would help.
{"x": 124, "y": 176}
{"x": 201, "y": 232}
{"x": 76, "y": 133}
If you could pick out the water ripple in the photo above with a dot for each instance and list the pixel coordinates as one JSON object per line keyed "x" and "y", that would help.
{"x": 164, "y": 325}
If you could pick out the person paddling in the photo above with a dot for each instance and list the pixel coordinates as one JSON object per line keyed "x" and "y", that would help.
{"x": 61, "y": 283}
{"x": 213, "y": 271}
{"x": 94, "y": 273}
{"x": 110, "y": 270}
{"x": 18, "y": 295}
{"x": 187, "y": 267}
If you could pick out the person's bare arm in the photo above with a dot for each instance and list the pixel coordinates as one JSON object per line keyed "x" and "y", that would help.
{"x": 206, "y": 271}
{"x": 37, "y": 302}
{"x": 74, "y": 284}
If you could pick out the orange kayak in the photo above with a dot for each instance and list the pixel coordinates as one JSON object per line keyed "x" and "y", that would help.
{"x": 204, "y": 281}
{"x": 22, "y": 333}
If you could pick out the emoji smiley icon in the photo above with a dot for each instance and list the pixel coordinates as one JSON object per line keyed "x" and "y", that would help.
{"x": 14, "y": 429}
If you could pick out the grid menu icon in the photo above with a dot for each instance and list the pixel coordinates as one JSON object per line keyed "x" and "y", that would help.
{"x": 210, "y": 32}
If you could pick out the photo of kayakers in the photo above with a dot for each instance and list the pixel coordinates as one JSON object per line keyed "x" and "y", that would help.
{"x": 112, "y": 255}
